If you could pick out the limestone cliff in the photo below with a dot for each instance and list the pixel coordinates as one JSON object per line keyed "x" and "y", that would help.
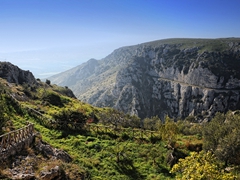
{"x": 175, "y": 77}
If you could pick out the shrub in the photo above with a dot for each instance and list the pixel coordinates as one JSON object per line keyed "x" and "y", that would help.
{"x": 153, "y": 123}
{"x": 221, "y": 136}
{"x": 53, "y": 99}
{"x": 48, "y": 82}
{"x": 200, "y": 166}
{"x": 124, "y": 136}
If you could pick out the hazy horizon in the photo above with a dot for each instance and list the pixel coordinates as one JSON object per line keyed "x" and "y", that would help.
{"x": 44, "y": 63}
{"x": 48, "y": 37}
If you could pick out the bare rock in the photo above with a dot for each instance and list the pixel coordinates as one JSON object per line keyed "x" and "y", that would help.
{"x": 14, "y": 74}
{"x": 49, "y": 174}
{"x": 51, "y": 152}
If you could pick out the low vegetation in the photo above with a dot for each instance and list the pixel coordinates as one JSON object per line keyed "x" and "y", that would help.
{"x": 107, "y": 144}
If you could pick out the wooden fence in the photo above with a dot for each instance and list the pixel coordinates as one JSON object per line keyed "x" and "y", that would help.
{"x": 14, "y": 140}
{"x": 131, "y": 132}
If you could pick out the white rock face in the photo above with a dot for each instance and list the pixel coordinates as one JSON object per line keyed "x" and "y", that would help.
{"x": 164, "y": 78}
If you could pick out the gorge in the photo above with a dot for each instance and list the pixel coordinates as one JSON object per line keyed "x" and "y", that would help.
{"x": 174, "y": 77}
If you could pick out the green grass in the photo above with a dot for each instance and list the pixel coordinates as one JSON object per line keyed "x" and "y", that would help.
{"x": 101, "y": 155}
{"x": 105, "y": 157}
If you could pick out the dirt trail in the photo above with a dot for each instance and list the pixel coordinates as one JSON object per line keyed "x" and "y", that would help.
{"x": 196, "y": 86}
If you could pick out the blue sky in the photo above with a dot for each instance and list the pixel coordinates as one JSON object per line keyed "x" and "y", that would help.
{"x": 50, "y": 36}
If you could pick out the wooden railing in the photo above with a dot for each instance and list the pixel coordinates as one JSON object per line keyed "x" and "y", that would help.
{"x": 10, "y": 141}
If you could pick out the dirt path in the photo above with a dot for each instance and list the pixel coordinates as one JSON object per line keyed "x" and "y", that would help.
{"x": 196, "y": 86}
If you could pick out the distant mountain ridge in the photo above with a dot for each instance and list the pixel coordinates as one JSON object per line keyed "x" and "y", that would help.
{"x": 175, "y": 77}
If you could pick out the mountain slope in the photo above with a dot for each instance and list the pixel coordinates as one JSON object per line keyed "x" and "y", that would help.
{"x": 175, "y": 77}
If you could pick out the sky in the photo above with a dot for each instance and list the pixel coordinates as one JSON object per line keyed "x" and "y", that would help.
{"x": 51, "y": 36}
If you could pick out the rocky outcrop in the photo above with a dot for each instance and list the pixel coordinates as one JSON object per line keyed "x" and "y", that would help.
{"x": 50, "y": 152}
{"x": 52, "y": 173}
{"x": 22, "y": 167}
{"x": 28, "y": 164}
{"x": 175, "y": 77}
{"x": 14, "y": 74}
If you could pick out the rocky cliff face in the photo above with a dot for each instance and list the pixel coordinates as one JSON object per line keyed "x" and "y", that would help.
{"x": 13, "y": 74}
{"x": 175, "y": 77}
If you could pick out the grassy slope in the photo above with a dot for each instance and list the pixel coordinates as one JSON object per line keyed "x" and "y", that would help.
{"x": 101, "y": 155}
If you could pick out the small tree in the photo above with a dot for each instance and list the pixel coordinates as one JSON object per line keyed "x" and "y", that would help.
{"x": 119, "y": 119}
{"x": 134, "y": 122}
{"x": 213, "y": 132}
{"x": 221, "y": 136}
{"x": 169, "y": 131}
{"x": 70, "y": 119}
{"x": 48, "y": 81}
{"x": 152, "y": 123}
{"x": 112, "y": 117}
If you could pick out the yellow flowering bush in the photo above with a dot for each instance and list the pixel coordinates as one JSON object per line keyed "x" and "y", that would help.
{"x": 200, "y": 166}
